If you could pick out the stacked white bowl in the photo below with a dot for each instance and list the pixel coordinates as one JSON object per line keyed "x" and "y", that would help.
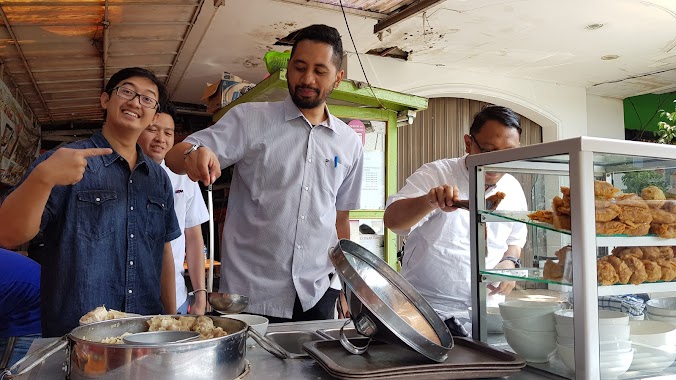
{"x": 654, "y": 345}
{"x": 616, "y": 351}
{"x": 662, "y": 309}
{"x": 529, "y": 328}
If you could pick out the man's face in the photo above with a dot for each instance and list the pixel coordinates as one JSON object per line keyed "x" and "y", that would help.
{"x": 157, "y": 139}
{"x": 311, "y": 74}
{"x": 493, "y": 135}
{"x": 126, "y": 114}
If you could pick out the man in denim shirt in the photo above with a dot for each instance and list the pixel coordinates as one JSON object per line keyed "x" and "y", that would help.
{"x": 107, "y": 229}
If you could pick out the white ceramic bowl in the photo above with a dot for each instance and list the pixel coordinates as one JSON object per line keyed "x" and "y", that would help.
{"x": 536, "y": 347}
{"x": 661, "y": 318}
{"x": 652, "y": 359}
{"x": 565, "y": 341}
{"x": 662, "y": 306}
{"x": 607, "y": 333}
{"x": 612, "y": 365}
{"x": 257, "y": 322}
{"x": 544, "y": 322}
{"x": 606, "y": 317}
{"x": 493, "y": 320}
{"x": 523, "y": 309}
{"x": 653, "y": 333}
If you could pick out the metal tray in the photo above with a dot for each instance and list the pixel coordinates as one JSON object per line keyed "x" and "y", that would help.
{"x": 468, "y": 359}
{"x": 292, "y": 341}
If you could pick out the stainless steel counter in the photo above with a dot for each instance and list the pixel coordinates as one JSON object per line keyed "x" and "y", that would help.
{"x": 263, "y": 364}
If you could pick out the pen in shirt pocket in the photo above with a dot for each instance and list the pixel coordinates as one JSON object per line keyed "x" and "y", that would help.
{"x": 335, "y": 161}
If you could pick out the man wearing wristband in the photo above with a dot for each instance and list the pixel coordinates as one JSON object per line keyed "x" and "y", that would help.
{"x": 436, "y": 258}
{"x": 191, "y": 212}
{"x": 297, "y": 174}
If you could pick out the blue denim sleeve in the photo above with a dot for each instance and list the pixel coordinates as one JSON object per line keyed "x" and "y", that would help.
{"x": 52, "y": 207}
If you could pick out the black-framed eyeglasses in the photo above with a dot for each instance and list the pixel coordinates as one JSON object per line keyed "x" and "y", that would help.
{"x": 482, "y": 150}
{"x": 129, "y": 94}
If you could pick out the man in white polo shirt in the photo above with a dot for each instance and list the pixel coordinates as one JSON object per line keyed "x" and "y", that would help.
{"x": 436, "y": 257}
{"x": 191, "y": 212}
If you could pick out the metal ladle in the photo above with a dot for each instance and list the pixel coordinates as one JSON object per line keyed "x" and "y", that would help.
{"x": 228, "y": 303}
{"x": 222, "y": 302}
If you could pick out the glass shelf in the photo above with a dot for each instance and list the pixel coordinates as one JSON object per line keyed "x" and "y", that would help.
{"x": 521, "y": 274}
{"x": 535, "y": 275}
{"x": 602, "y": 240}
{"x": 517, "y": 216}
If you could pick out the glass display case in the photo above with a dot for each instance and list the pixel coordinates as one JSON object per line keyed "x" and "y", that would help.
{"x": 605, "y": 228}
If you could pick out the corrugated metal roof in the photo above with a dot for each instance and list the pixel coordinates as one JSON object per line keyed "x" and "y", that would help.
{"x": 60, "y": 53}
{"x": 379, "y": 6}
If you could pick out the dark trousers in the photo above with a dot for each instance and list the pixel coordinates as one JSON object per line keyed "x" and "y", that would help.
{"x": 324, "y": 309}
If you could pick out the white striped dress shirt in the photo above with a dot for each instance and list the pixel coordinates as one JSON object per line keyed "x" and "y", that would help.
{"x": 289, "y": 180}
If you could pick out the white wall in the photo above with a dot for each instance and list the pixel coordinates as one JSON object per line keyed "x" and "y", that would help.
{"x": 561, "y": 110}
{"x": 605, "y": 117}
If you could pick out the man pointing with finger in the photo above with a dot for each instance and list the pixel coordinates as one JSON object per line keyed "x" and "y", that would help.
{"x": 106, "y": 212}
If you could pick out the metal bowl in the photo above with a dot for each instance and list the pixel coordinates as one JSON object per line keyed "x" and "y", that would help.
{"x": 227, "y": 303}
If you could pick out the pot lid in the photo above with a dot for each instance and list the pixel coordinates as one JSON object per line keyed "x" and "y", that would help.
{"x": 383, "y": 305}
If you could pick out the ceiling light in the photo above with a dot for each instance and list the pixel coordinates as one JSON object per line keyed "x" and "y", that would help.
{"x": 610, "y": 57}
{"x": 593, "y": 26}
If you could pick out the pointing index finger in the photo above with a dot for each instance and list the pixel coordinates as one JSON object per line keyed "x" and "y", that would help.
{"x": 90, "y": 152}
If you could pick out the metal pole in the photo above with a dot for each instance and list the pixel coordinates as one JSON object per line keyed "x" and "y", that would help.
{"x": 210, "y": 278}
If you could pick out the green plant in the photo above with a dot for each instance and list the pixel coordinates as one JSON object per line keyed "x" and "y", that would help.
{"x": 636, "y": 181}
{"x": 666, "y": 130}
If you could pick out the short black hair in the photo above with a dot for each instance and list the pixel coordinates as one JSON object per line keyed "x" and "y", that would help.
{"x": 168, "y": 108}
{"x": 137, "y": 72}
{"x": 322, "y": 33}
{"x": 502, "y": 115}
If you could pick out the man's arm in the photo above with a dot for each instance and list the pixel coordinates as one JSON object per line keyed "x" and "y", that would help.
{"x": 175, "y": 159}
{"x": 194, "y": 245}
{"x": 343, "y": 231}
{"x": 343, "y": 224}
{"x": 200, "y": 165}
{"x": 506, "y": 287}
{"x": 167, "y": 283}
{"x": 405, "y": 213}
{"x": 25, "y": 205}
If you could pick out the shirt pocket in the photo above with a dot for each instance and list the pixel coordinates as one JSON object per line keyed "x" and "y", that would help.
{"x": 334, "y": 175}
{"x": 156, "y": 209}
{"x": 94, "y": 209}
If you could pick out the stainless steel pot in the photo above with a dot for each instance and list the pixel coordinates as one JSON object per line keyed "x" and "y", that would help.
{"x": 384, "y": 306}
{"x": 221, "y": 358}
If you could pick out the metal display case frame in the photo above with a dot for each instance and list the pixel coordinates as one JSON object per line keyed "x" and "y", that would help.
{"x": 573, "y": 158}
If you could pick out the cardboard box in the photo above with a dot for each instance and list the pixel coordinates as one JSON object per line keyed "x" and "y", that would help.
{"x": 228, "y": 89}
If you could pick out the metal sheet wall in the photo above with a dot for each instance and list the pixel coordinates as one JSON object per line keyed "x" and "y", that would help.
{"x": 438, "y": 133}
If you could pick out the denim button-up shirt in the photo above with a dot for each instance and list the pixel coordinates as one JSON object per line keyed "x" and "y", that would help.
{"x": 105, "y": 239}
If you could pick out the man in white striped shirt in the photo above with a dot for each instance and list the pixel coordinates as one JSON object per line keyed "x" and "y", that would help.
{"x": 298, "y": 172}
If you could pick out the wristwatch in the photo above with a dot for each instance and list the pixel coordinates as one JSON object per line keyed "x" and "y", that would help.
{"x": 193, "y": 148}
{"x": 516, "y": 261}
